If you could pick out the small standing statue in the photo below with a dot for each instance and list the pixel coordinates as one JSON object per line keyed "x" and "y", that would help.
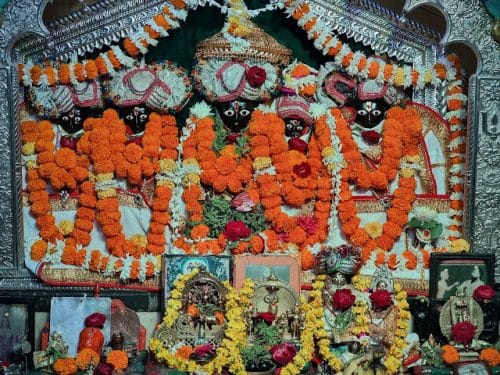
{"x": 92, "y": 336}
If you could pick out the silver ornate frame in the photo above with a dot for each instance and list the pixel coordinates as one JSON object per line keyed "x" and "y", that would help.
{"x": 23, "y": 35}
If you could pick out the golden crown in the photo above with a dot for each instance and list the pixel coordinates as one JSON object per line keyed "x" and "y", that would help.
{"x": 262, "y": 47}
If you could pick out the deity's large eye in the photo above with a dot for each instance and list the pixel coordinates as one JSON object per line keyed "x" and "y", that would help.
{"x": 129, "y": 117}
{"x": 376, "y": 112}
{"x": 78, "y": 119}
{"x": 289, "y": 126}
{"x": 245, "y": 112}
{"x": 65, "y": 118}
{"x": 229, "y": 112}
{"x": 362, "y": 112}
{"x": 143, "y": 117}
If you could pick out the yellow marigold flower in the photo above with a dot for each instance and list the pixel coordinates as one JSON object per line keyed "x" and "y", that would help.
{"x": 28, "y": 148}
{"x": 327, "y": 151}
{"x": 103, "y": 177}
{"x": 392, "y": 364}
{"x": 191, "y": 179}
{"x": 167, "y": 165}
{"x": 262, "y": 162}
{"x": 139, "y": 240}
{"x": 31, "y": 164}
{"x": 166, "y": 182}
{"x": 413, "y": 158}
{"x": 399, "y": 77}
{"x": 428, "y": 76}
{"x": 108, "y": 193}
{"x": 406, "y": 172}
{"x": 460, "y": 245}
{"x": 374, "y": 229}
{"x": 65, "y": 227}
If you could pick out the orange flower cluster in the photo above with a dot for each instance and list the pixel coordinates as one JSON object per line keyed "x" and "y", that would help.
{"x": 85, "y": 214}
{"x": 65, "y": 366}
{"x": 228, "y": 171}
{"x": 490, "y": 355}
{"x": 404, "y": 195}
{"x": 118, "y": 358}
{"x": 449, "y": 354}
{"x": 168, "y": 141}
{"x": 267, "y": 132}
{"x": 85, "y": 358}
{"x": 40, "y": 133}
{"x": 91, "y": 69}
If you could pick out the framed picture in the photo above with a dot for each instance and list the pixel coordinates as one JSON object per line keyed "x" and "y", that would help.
{"x": 175, "y": 265}
{"x": 260, "y": 267}
{"x": 16, "y": 331}
{"x": 471, "y": 368}
{"x": 450, "y": 272}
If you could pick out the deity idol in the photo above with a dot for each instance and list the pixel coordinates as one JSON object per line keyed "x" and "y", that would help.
{"x": 217, "y": 163}
{"x": 395, "y": 159}
{"x": 113, "y": 212}
{"x": 68, "y": 106}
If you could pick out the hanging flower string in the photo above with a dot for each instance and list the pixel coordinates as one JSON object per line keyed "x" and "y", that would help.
{"x": 107, "y": 63}
{"x": 356, "y": 63}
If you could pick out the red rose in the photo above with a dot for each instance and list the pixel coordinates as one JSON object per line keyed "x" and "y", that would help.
{"x": 381, "y": 299}
{"x": 283, "y": 353}
{"x": 308, "y": 223}
{"x": 297, "y": 144}
{"x": 267, "y": 317}
{"x": 463, "y": 332}
{"x": 232, "y": 137}
{"x": 95, "y": 320}
{"x": 483, "y": 292}
{"x": 343, "y": 299}
{"x": 256, "y": 76}
{"x": 370, "y": 136}
{"x": 236, "y": 230}
{"x": 302, "y": 170}
{"x": 104, "y": 369}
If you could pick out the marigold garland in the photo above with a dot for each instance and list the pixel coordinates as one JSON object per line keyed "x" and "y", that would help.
{"x": 107, "y": 63}
{"x": 278, "y": 184}
{"x": 404, "y": 195}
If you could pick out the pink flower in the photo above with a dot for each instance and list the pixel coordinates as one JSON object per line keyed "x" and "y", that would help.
{"x": 283, "y": 237}
{"x": 463, "y": 332}
{"x": 297, "y": 144}
{"x": 236, "y": 230}
{"x": 483, "y": 292}
{"x": 283, "y": 353}
{"x": 308, "y": 223}
{"x": 302, "y": 170}
{"x": 381, "y": 299}
{"x": 256, "y": 76}
{"x": 267, "y": 317}
{"x": 95, "y": 320}
{"x": 205, "y": 349}
{"x": 104, "y": 369}
{"x": 343, "y": 299}
{"x": 370, "y": 136}
{"x": 242, "y": 202}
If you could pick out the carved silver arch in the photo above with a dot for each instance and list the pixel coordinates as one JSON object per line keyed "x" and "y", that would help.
{"x": 370, "y": 24}
{"x": 470, "y": 24}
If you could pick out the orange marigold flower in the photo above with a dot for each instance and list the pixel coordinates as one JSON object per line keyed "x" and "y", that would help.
{"x": 449, "y": 354}
{"x": 118, "y": 358}
{"x": 491, "y": 355}
{"x": 38, "y": 250}
{"x": 307, "y": 259}
{"x": 85, "y": 358}
{"x": 65, "y": 366}
{"x": 200, "y": 231}
{"x": 184, "y": 352}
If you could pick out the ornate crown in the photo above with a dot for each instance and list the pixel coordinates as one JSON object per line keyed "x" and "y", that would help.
{"x": 262, "y": 47}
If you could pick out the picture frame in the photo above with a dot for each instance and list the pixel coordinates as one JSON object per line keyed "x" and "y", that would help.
{"x": 471, "y": 367}
{"x": 257, "y": 267}
{"x": 451, "y": 271}
{"x": 17, "y": 331}
{"x": 179, "y": 264}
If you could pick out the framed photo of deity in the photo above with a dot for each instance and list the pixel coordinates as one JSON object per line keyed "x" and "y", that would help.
{"x": 285, "y": 268}
{"x": 471, "y": 367}
{"x": 451, "y": 273}
{"x": 16, "y": 332}
{"x": 175, "y": 265}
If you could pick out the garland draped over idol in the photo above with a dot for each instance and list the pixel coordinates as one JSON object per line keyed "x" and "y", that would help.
{"x": 179, "y": 175}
